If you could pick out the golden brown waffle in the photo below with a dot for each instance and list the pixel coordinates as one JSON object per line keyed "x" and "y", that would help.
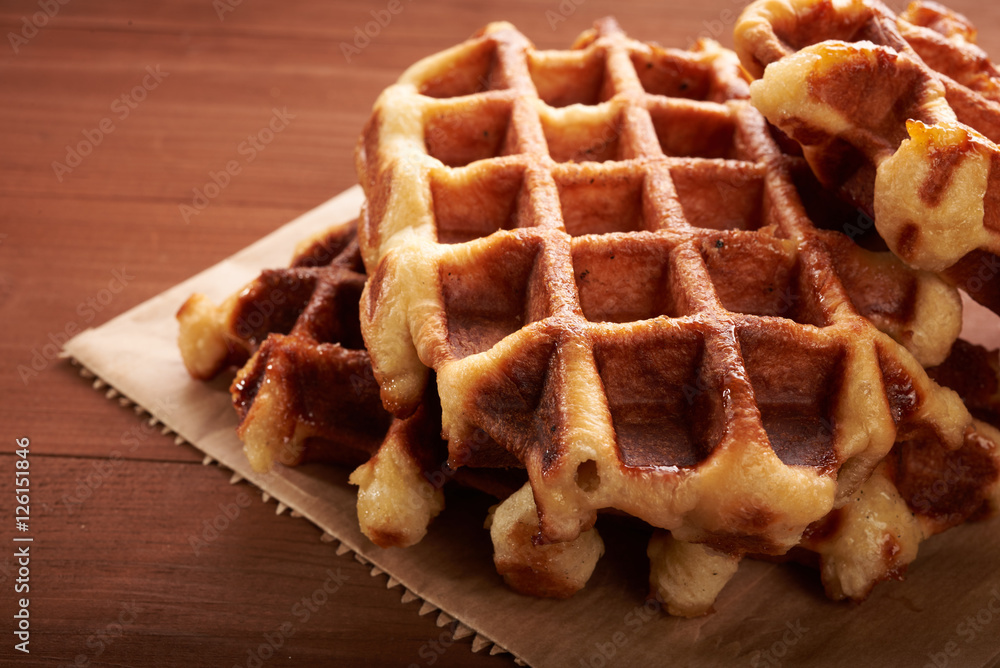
{"x": 899, "y": 114}
{"x": 602, "y": 255}
{"x": 555, "y": 570}
{"x": 973, "y": 372}
{"x": 299, "y": 328}
{"x": 398, "y": 500}
{"x": 309, "y": 376}
{"x": 920, "y": 490}
{"x": 307, "y": 392}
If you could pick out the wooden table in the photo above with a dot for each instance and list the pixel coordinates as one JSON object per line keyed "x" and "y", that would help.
{"x": 116, "y": 120}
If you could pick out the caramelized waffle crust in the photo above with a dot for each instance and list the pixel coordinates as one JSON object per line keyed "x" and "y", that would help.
{"x": 295, "y": 332}
{"x": 603, "y": 256}
{"x": 919, "y": 490}
{"x": 898, "y": 114}
{"x": 306, "y": 391}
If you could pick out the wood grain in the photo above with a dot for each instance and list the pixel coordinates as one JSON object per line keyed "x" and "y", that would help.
{"x": 113, "y": 533}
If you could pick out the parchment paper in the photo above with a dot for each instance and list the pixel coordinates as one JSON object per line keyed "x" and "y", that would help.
{"x": 946, "y": 612}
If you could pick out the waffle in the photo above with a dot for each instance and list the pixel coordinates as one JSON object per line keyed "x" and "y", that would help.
{"x": 306, "y": 392}
{"x": 294, "y": 331}
{"x": 973, "y": 372}
{"x": 919, "y": 490}
{"x": 602, "y": 255}
{"x": 555, "y": 570}
{"x": 899, "y": 114}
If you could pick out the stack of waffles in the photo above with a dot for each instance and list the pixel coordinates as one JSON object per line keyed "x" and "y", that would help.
{"x": 599, "y": 279}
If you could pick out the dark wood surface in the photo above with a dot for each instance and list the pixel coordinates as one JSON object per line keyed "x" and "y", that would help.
{"x": 114, "y": 579}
